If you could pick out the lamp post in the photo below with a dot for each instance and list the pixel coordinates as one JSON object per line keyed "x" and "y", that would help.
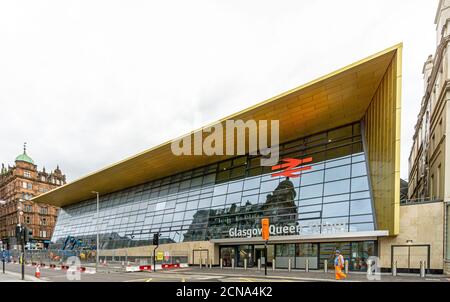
{"x": 2, "y": 202}
{"x": 22, "y": 235}
{"x": 96, "y": 228}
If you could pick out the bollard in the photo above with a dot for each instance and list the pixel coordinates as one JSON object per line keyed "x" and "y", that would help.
{"x": 259, "y": 264}
{"x": 221, "y": 263}
{"x": 307, "y": 265}
{"x": 325, "y": 266}
{"x": 232, "y": 263}
{"x": 245, "y": 264}
{"x": 422, "y": 269}
{"x": 289, "y": 264}
{"x": 346, "y": 267}
{"x": 369, "y": 268}
{"x": 210, "y": 263}
{"x": 274, "y": 264}
{"x": 201, "y": 262}
{"x": 394, "y": 269}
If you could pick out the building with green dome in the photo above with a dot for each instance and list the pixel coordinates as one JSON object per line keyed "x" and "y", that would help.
{"x": 18, "y": 185}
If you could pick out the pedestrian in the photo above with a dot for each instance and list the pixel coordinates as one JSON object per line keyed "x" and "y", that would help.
{"x": 338, "y": 266}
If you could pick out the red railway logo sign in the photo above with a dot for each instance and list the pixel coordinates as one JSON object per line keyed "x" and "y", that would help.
{"x": 292, "y": 167}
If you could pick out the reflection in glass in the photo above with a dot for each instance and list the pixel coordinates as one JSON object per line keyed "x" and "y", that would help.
{"x": 203, "y": 203}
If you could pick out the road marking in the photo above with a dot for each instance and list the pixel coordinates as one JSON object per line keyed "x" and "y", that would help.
{"x": 247, "y": 279}
{"x": 149, "y": 280}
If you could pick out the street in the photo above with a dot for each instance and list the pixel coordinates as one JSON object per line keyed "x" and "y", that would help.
{"x": 195, "y": 274}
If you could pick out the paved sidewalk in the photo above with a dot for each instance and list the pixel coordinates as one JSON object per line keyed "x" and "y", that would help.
{"x": 17, "y": 277}
{"x": 318, "y": 276}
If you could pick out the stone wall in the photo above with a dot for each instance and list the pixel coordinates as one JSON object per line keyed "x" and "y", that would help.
{"x": 421, "y": 224}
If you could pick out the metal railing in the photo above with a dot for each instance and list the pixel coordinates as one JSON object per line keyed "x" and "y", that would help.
{"x": 87, "y": 258}
{"x": 406, "y": 202}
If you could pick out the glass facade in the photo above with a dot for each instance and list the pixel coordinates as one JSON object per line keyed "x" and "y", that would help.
{"x": 206, "y": 203}
{"x": 356, "y": 253}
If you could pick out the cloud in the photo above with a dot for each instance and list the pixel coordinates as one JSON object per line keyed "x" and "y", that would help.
{"x": 88, "y": 83}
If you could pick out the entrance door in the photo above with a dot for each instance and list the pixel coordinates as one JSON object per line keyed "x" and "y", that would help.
{"x": 200, "y": 255}
{"x": 408, "y": 257}
{"x": 227, "y": 253}
{"x": 260, "y": 255}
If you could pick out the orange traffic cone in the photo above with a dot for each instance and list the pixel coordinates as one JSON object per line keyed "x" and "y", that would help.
{"x": 37, "y": 273}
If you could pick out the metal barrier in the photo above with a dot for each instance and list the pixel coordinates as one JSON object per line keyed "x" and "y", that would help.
{"x": 109, "y": 260}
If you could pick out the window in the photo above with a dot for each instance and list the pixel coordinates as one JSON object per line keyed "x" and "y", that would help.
{"x": 438, "y": 180}
{"x": 24, "y": 185}
{"x": 27, "y": 174}
{"x": 44, "y": 211}
{"x": 27, "y": 219}
{"x": 335, "y": 209}
{"x": 44, "y": 221}
{"x": 337, "y": 187}
{"x": 337, "y": 173}
{"x": 360, "y": 207}
{"x": 312, "y": 178}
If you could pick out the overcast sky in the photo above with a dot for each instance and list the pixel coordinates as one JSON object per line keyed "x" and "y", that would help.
{"x": 88, "y": 83}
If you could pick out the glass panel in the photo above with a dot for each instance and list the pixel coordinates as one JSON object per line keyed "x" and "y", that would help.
{"x": 337, "y": 187}
{"x": 359, "y": 207}
{"x": 362, "y": 227}
{"x": 327, "y": 251}
{"x": 359, "y": 169}
{"x": 361, "y": 251}
{"x": 311, "y": 191}
{"x": 360, "y": 184}
{"x": 337, "y": 173}
{"x": 312, "y": 178}
{"x": 251, "y": 183}
{"x": 336, "y": 209}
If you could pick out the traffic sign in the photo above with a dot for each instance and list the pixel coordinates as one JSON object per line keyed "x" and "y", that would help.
{"x": 265, "y": 229}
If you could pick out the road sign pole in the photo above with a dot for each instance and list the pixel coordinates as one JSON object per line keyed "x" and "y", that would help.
{"x": 23, "y": 253}
{"x": 265, "y": 258}
{"x": 265, "y": 232}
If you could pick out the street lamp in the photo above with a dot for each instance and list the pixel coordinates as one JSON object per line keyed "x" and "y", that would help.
{"x": 97, "y": 230}
{"x": 2, "y": 202}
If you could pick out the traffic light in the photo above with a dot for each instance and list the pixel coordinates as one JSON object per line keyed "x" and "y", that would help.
{"x": 28, "y": 235}
{"x": 19, "y": 233}
{"x": 156, "y": 239}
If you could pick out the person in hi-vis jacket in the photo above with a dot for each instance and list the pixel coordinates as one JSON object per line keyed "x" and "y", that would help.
{"x": 339, "y": 265}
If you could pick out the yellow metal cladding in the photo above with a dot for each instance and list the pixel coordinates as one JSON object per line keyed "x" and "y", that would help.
{"x": 382, "y": 128}
{"x": 334, "y": 100}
